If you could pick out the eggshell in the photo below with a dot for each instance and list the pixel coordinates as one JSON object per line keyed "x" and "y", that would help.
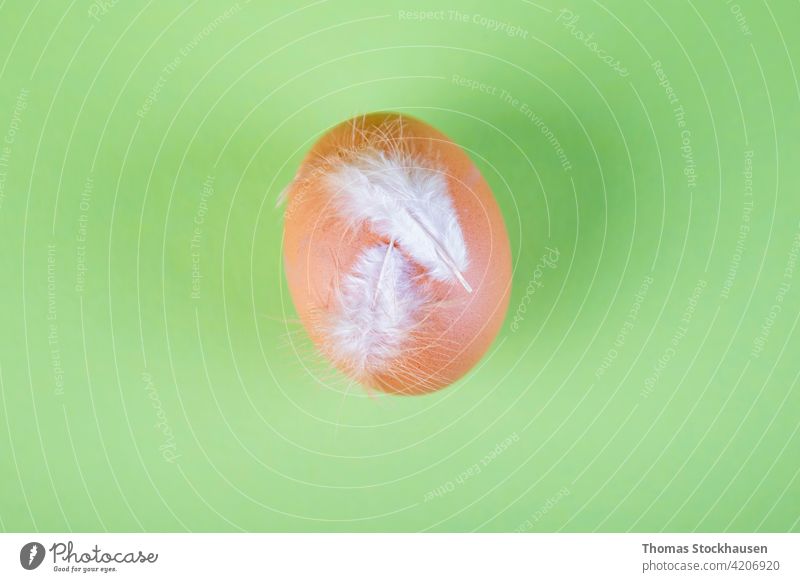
{"x": 321, "y": 246}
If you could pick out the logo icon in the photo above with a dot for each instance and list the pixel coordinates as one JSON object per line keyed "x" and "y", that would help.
{"x": 31, "y": 555}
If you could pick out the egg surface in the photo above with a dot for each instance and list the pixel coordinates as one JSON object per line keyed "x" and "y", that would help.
{"x": 396, "y": 254}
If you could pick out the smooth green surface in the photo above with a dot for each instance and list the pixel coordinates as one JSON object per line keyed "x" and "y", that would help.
{"x": 128, "y": 403}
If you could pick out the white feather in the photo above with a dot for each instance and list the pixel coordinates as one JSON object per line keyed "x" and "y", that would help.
{"x": 379, "y": 305}
{"x": 406, "y": 201}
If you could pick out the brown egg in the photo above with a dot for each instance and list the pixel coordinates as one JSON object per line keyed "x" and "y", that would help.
{"x": 396, "y": 254}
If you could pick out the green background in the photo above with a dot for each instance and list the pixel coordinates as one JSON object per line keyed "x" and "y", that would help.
{"x": 129, "y": 403}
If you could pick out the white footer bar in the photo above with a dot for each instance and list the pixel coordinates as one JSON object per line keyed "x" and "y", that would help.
{"x": 402, "y": 557}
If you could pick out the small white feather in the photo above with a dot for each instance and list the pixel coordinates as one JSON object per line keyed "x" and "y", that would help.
{"x": 378, "y": 308}
{"x": 406, "y": 201}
